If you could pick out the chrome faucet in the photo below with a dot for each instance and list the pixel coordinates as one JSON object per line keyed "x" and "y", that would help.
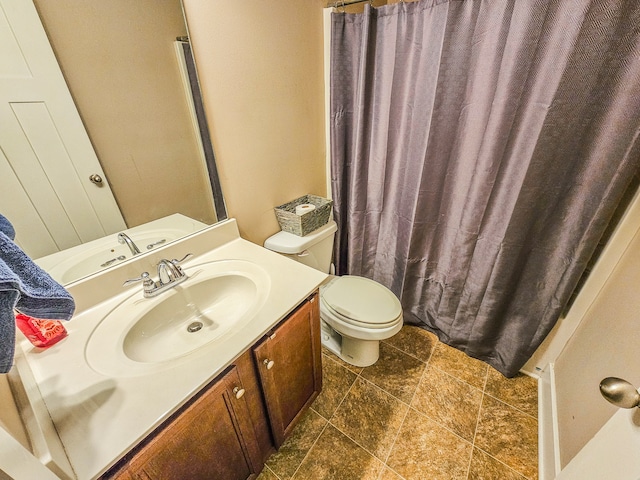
{"x": 169, "y": 272}
{"x": 123, "y": 238}
{"x": 169, "y": 275}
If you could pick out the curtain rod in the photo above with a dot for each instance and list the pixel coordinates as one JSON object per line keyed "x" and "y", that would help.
{"x": 353, "y": 2}
{"x": 347, "y": 3}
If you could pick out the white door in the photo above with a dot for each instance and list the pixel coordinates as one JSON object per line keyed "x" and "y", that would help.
{"x": 614, "y": 452}
{"x": 46, "y": 157}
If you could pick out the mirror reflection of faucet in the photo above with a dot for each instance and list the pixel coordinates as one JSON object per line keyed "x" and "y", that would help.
{"x": 123, "y": 239}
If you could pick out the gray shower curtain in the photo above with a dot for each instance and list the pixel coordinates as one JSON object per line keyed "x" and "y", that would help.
{"x": 479, "y": 149}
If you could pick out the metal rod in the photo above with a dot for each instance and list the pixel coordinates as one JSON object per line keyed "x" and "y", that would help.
{"x": 346, "y": 4}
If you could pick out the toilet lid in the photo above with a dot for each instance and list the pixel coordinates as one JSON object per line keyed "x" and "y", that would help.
{"x": 362, "y": 300}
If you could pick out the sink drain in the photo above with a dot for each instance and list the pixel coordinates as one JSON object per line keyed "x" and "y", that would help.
{"x": 194, "y": 327}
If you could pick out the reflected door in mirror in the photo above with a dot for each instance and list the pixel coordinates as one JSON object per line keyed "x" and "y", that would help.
{"x": 46, "y": 157}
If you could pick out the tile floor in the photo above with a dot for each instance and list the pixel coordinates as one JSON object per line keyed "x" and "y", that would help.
{"x": 431, "y": 413}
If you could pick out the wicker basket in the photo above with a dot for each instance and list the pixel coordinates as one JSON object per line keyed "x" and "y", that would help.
{"x": 306, "y": 223}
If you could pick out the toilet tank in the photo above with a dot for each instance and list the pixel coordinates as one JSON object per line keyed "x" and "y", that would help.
{"x": 314, "y": 249}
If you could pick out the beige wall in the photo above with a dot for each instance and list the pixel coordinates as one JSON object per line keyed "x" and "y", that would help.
{"x": 260, "y": 65}
{"x": 119, "y": 62}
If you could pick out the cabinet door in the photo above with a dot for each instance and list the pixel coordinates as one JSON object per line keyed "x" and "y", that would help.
{"x": 212, "y": 438}
{"x": 290, "y": 369}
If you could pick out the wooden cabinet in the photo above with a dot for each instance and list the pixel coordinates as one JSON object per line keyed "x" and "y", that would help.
{"x": 212, "y": 437}
{"x": 229, "y": 429}
{"x": 290, "y": 369}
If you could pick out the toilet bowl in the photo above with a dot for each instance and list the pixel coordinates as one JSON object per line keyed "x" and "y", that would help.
{"x": 356, "y": 312}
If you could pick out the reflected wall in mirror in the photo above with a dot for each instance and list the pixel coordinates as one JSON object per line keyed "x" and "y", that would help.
{"x": 120, "y": 63}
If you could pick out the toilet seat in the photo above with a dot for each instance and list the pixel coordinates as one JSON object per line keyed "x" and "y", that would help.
{"x": 361, "y": 302}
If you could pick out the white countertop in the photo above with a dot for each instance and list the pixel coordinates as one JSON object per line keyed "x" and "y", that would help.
{"x": 99, "y": 418}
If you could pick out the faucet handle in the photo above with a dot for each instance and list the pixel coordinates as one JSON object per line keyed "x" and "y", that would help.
{"x": 178, "y": 262}
{"x": 144, "y": 278}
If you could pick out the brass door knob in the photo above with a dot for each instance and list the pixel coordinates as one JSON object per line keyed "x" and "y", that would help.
{"x": 620, "y": 392}
{"x": 96, "y": 179}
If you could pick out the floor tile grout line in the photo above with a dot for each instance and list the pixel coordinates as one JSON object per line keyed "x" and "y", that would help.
{"x": 438, "y": 421}
{"x": 338, "y": 363}
{"x": 359, "y": 375}
{"x": 411, "y": 354}
{"x": 358, "y": 444}
{"x": 486, "y": 374}
{"x": 424, "y": 372}
{"x": 395, "y": 440}
{"x": 457, "y": 378}
{"x": 348, "y": 389}
{"x": 475, "y": 430}
{"x": 327, "y": 419}
{"x": 272, "y": 472}
{"x": 310, "y": 449}
{"x": 343, "y": 397}
{"x": 486, "y": 379}
{"x": 469, "y": 464}
{"x": 378, "y": 387}
{"x": 512, "y": 406}
{"x": 481, "y": 449}
{"x": 408, "y": 405}
{"x": 342, "y": 401}
{"x": 502, "y": 463}
{"x": 475, "y": 433}
{"x": 440, "y": 424}
{"x": 427, "y": 363}
{"x": 399, "y": 476}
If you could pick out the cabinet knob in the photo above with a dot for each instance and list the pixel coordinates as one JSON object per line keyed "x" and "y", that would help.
{"x": 238, "y": 392}
{"x": 268, "y": 363}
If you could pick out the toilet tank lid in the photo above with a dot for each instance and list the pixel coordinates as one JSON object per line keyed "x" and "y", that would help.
{"x": 285, "y": 242}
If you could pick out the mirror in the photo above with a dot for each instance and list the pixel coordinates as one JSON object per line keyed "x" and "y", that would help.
{"x": 122, "y": 65}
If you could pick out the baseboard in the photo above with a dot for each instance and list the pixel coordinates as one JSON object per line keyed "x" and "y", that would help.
{"x": 548, "y": 445}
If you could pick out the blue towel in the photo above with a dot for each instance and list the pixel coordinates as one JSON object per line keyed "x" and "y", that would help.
{"x": 6, "y": 227}
{"x": 25, "y": 287}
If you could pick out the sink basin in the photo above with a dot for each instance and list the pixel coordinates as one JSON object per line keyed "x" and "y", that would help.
{"x": 142, "y": 335}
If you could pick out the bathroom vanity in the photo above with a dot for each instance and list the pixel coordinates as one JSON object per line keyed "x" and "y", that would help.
{"x": 225, "y": 431}
{"x": 125, "y": 401}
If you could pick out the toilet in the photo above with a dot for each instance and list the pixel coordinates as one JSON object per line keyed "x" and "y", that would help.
{"x": 355, "y": 312}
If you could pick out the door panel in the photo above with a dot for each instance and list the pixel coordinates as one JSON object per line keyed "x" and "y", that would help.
{"x": 46, "y": 151}
{"x": 611, "y": 453}
{"x": 16, "y": 205}
{"x": 53, "y": 158}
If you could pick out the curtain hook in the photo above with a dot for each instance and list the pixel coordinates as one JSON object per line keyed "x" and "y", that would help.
{"x": 341, "y": 6}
